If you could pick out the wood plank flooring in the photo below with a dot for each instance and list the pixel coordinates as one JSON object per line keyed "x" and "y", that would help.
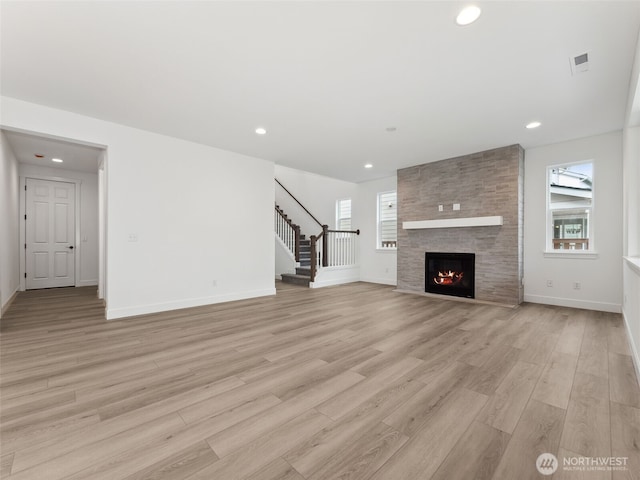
{"x": 347, "y": 382}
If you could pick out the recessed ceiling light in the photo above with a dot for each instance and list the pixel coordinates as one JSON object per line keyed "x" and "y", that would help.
{"x": 57, "y": 160}
{"x": 261, "y": 131}
{"x": 532, "y": 125}
{"x": 468, "y": 15}
{"x": 368, "y": 165}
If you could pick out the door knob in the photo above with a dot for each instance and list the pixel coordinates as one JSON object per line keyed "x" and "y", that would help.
{"x": 70, "y": 247}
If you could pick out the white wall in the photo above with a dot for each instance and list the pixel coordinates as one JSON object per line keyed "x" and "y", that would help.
{"x": 631, "y": 168}
{"x": 376, "y": 266}
{"x": 285, "y": 261}
{"x": 191, "y": 249}
{"x": 317, "y": 193}
{"x": 631, "y": 263}
{"x": 631, "y": 309}
{"x": 631, "y": 183}
{"x": 87, "y": 253}
{"x": 601, "y": 277}
{"x": 9, "y": 224}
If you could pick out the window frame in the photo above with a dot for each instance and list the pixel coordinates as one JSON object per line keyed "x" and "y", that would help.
{"x": 549, "y": 251}
{"x": 379, "y": 246}
{"x": 339, "y": 218}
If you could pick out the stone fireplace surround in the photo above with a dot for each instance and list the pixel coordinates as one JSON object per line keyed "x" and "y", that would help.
{"x": 485, "y": 184}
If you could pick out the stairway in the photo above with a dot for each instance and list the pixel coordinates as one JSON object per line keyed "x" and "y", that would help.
{"x": 331, "y": 248}
{"x": 303, "y": 272}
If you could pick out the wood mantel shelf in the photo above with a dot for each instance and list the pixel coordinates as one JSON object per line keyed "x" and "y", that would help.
{"x": 454, "y": 222}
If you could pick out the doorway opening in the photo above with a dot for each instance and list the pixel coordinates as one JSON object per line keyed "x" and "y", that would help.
{"x": 62, "y": 211}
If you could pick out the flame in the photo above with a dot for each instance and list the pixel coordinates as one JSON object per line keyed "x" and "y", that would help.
{"x": 448, "y": 278}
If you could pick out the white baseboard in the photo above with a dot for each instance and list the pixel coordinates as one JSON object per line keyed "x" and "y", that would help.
{"x": 87, "y": 283}
{"x": 333, "y": 281}
{"x": 114, "y": 313}
{"x": 569, "y": 302}
{"x": 382, "y": 281}
{"x": 8, "y": 303}
{"x": 632, "y": 346}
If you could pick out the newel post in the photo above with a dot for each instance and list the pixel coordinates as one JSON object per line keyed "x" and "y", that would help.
{"x": 325, "y": 246}
{"x": 314, "y": 257}
{"x": 296, "y": 233}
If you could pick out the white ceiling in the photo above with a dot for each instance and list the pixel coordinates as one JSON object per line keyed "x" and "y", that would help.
{"x": 75, "y": 156}
{"x": 327, "y": 78}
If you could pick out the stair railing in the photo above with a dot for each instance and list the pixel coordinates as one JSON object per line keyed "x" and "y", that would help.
{"x": 341, "y": 249}
{"x": 333, "y": 248}
{"x": 288, "y": 232}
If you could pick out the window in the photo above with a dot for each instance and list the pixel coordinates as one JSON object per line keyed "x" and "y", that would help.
{"x": 387, "y": 220}
{"x": 343, "y": 214}
{"x": 569, "y": 207}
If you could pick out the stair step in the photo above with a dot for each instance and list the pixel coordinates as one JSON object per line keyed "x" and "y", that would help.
{"x": 305, "y": 262}
{"x": 296, "y": 279}
{"x": 306, "y": 271}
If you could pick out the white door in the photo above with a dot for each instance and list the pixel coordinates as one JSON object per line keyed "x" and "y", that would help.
{"x": 50, "y": 234}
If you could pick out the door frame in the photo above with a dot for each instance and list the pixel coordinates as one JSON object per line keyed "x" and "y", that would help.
{"x": 23, "y": 223}
{"x": 102, "y": 228}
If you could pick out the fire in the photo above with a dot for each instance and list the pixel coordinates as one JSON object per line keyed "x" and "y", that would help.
{"x": 448, "y": 278}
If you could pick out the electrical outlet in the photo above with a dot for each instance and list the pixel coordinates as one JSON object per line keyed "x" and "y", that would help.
{"x": 441, "y": 208}
{"x": 576, "y": 285}
{"x": 549, "y": 283}
{"x": 456, "y": 206}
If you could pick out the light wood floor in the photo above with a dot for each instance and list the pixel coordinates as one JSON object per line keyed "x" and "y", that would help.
{"x": 349, "y": 382}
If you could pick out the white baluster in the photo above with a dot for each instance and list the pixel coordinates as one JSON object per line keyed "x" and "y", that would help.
{"x": 353, "y": 249}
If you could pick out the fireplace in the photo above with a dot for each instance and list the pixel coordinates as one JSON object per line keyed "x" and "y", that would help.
{"x": 450, "y": 274}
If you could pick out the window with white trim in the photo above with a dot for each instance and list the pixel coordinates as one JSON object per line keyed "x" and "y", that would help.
{"x": 387, "y": 220}
{"x": 343, "y": 214}
{"x": 570, "y": 207}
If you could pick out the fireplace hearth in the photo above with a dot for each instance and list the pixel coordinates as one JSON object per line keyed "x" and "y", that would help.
{"x": 450, "y": 274}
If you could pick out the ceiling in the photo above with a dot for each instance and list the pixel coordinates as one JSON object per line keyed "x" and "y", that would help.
{"x": 326, "y": 79}
{"x": 74, "y": 156}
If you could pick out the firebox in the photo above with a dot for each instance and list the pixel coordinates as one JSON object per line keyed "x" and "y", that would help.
{"x": 450, "y": 273}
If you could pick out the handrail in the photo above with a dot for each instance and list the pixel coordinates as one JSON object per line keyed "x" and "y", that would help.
{"x": 357, "y": 232}
{"x": 298, "y": 202}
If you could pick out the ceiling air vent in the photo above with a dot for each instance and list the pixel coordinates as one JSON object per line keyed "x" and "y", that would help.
{"x": 579, "y": 63}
